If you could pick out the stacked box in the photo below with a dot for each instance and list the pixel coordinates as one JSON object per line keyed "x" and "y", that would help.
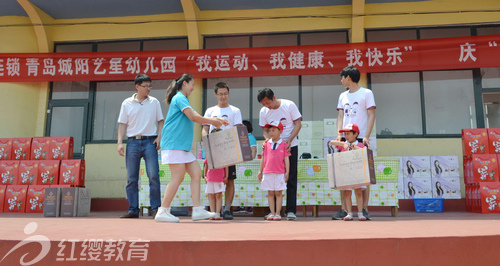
{"x": 15, "y": 198}
{"x": 21, "y": 148}
{"x": 69, "y": 201}
{"x": 445, "y": 177}
{"x": 9, "y": 172}
{"x": 481, "y": 168}
{"x": 61, "y": 148}
{"x": 330, "y": 127}
{"x": 484, "y": 197}
{"x": 35, "y": 198}
{"x": 311, "y": 138}
{"x": 48, "y": 172}
{"x": 52, "y": 202}
{"x": 416, "y": 166}
{"x": 475, "y": 141}
{"x": 494, "y": 140}
{"x": 40, "y": 148}
{"x": 418, "y": 188}
{"x": 3, "y": 188}
{"x": 6, "y": 149}
{"x": 84, "y": 199}
{"x": 28, "y": 172}
{"x": 72, "y": 172}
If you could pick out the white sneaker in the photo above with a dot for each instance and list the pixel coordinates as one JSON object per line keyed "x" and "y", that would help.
{"x": 270, "y": 217}
{"x": 164, "y": 215}
{"x": 291, "y": 216}
{"x": 361, "y": 217}
{"x": 199, "y": 213}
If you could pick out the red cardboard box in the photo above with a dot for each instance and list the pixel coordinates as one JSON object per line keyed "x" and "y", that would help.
{"x": 61, "y": 186}
{"x": 15, "y": 198}
{"x": 494, "y": 140}
{"x": 475, "y": 141}
{"x": 5, "y": 149}
{"x": 2, "y": 196}
{"x": 28, "y": 172}
{"x": 21, "y": 148}
{"x": 40, "y": 148}
{"x": 9, "y": 171}
{"x": 61, "y": 148}
{"x": 48, "y": 172}
{"x": 35, "y": 198}
{"x": 72, "y": 172}
{"x": 490, "y": 197}
{"x": 485, "y": 168}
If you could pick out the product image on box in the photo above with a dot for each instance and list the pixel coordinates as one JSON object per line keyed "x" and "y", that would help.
{"x": 9, "y": 172}
{"x": 494, "y": 140}
{"x": 72, "y": 172}
{"x": 28, "y": 172}
{"x": 83, "y": 208}
{"x": 15, "y": 198}
{"x": 351, "y": 168}
{"x": 69, "y": 201}
{"x": 416, "y": 188}
{"x": 446, "y": 187}
{"x": 416, "y": 166}
{"x": 2, "y": 196}
{"x": 485, "y": 167}
{"x": 48, "y": 172}
{"x": 35, "y": 198}
{"x": 490, "y": 197}
{"x": 61, "y": 148}
{"x": 5, "y": 149}
{"x": 445, "y": 166}
{"x": 21, "y": 148}
{"x": 40, "y": 148}
{"x": 227, "y": 147}
{"x": 475, "y": 141}
{"x": 52, "y": 202}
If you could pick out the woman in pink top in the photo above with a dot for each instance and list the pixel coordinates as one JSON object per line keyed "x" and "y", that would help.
{"x": 351, "y": 132}
{"x": 274, "y": 169}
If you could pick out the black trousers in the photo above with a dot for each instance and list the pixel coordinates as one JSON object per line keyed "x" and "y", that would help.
{"x": 291, "y": 185}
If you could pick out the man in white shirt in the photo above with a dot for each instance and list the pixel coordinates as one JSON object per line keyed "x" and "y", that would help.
{"x": 355, "y": 106}
{"x": 224, "y": 110}
{"x": 142, "y": 120}
{"x": 286, "y": 112}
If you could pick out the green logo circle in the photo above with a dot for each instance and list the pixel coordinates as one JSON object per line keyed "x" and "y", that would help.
{"x": 257, "y": 204}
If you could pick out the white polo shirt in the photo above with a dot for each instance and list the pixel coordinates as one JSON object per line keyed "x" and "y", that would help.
{"x": 141, "y": 117}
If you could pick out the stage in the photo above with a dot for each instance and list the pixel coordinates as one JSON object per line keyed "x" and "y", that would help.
{"x": 448, "y": 238}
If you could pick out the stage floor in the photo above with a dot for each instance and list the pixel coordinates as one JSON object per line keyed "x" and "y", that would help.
{"x": 458, "y": 237}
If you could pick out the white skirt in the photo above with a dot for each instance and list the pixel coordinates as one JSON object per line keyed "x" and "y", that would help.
{"x": 176, "y": 157}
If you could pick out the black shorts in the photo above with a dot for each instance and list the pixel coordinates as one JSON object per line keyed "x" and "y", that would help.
{"x": 232, "y": 172}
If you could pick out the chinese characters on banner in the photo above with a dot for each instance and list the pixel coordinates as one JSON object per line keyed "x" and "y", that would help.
{"x": 395, "y": 56}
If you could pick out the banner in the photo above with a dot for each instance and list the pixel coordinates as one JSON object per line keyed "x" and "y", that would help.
{"x": 395, "y": 56}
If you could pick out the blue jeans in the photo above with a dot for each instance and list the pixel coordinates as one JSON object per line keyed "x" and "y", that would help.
{"x": 136, "y": 149}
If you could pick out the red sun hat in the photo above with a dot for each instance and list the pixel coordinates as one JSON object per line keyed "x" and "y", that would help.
{"x": 275, "y": 124}
{"x": 350, "y": 127}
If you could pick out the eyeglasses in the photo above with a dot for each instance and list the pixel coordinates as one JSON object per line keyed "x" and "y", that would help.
{"x": 146, "y": 87}
{"x": 222, "y": 94}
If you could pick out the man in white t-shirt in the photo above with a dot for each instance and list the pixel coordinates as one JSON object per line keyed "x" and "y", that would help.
{"x": 286, "y": 112}
{"x": 224, "y": 110}
{"x": 142, "y": 120}
{"x": 355, "y": 106}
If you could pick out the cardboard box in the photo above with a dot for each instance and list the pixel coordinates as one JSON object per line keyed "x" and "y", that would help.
{"x": 446, "y": 187}
{"x": 489, "y": 197}
{"x": 48, "y": 172}
{"x": 69, "y": 201}
{"x": 35, "y": 198}
{"x": 21, "y": 148}
{"x": 40, "y": 148}
{"x": 84, "y": 198}
{"x": 72, "y": 172}
{"x": 418, "y": 188}
{"x": 2, "y": 196}
{"x": 485, "y": 168}
{"x": 15, "y": 198}
{"x": 445, "y": 166}
{"x": 9, "y": 172}
{"x": 330, "y": 127}
{"x": 28, "y": 172}
{"x": 494, "y": 140}
{"x": 52, "y": 202}
{"x": 61, "y": 148}
{"x": 6, "y": 149}
{"x": 227, "y": 147}
{"x": 416, "y": 166}
{"x": 475, "y": 141}
{"x": 311, "y": 130}
{"x": 351, "y": 168}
